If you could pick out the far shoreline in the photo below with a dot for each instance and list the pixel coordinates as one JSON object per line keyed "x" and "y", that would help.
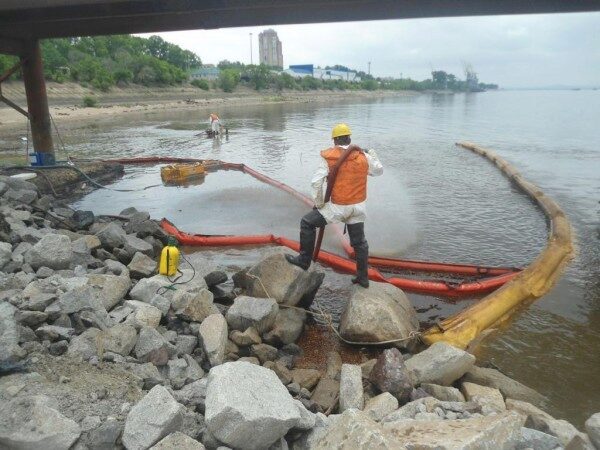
{"x": 67, "y": 110}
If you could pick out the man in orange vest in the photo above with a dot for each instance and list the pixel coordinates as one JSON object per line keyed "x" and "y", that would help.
{"x": 347, "y": 203}
{"x": 215, "y": 123}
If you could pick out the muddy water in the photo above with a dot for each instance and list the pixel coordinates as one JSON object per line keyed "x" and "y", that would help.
{"x": 435, "y": 201}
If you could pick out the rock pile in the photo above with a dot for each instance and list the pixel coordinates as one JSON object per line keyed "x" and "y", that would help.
{"x": 97, "y": 351}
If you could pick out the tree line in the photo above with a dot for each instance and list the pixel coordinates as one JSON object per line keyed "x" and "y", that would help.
{"x": 103, "y": 61}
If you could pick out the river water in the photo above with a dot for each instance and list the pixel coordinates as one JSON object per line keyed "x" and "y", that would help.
{"x": 435, "y": 201}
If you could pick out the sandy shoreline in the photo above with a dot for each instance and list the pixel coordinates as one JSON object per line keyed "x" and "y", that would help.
{"x": 66, "y": 101}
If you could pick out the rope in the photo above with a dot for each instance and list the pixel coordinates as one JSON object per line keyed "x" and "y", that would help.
{"x": 161, "y": 290}
{"x": 329, "y": 320}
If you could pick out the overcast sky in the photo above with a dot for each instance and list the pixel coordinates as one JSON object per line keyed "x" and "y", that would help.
{"x": 513, "y": 51}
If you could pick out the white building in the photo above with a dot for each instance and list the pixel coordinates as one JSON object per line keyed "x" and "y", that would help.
{"x": 269, "y": 49}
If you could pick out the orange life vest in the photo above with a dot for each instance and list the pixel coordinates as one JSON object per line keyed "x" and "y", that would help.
{"x": 351, "y": 183}
{"x": 213, "y": 117}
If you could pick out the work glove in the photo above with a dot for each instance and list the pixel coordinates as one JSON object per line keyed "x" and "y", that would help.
{"x": 371, "y": 153}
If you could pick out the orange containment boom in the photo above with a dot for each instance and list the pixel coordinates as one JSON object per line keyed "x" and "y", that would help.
{"x": 494, "y": 276}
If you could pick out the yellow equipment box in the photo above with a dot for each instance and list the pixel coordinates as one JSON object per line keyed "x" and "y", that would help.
{"x": 179, "y": 173}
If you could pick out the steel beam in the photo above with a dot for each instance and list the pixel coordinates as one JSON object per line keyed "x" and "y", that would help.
{"x": 37, "y": 100}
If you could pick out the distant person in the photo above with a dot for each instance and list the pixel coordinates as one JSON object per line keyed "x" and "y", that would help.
{"x": 215, "y": 124}
{"x": 347, "y": 203}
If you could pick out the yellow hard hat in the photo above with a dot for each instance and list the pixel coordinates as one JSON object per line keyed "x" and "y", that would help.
{"x": 341, "y": 129}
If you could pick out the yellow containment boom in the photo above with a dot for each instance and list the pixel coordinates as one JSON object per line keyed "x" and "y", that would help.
{"x": 533, "y": 282}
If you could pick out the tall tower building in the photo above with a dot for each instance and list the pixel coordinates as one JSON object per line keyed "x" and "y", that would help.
{"x": 269, "y": 49}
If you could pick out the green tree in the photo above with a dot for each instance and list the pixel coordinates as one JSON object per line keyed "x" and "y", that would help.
{"x": 259, "y": 76}
{"x": 229, "y": 79}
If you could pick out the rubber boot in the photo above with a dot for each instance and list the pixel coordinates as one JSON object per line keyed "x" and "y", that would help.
{"x": 308, "y": 236}
{"x": 361, "y": 253}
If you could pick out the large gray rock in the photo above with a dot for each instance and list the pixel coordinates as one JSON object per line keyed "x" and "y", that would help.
{"x": 112, "y": 236}
{"x": 141, "y": 266}
{"x": 119, "y": 339}
{"x": 53, "y": 250}
{"x": 535, "y": 417}
{"x": 592, "y": 426}
{"x": 499, "y": 431}
{"x": 152, "y": 347}
{"x": 134, "y": 245}
{"x": 22, "y": 196}
{"x": 81, "y": 298}
{"x": 488, "y": 398}
{"x": 355, "y": 430}
{"x": 5, "y": 253}
{"x": 111, "y": 289}
{"x": 194, "y": 306}
{"x": 84, "y": 345}
{"x": 534, "y": 439}
{"x": 144, "y": 314}
{"x": 287, "y": 328}
{"x": 389, "y": 374}
{"x": 380, "y": 313}
{"x": 151, "y": 419}
{"x": 274, "y": 277}
{"x": 193, "y": 394}
{"x": 444, "y": 393}
{"x": 310, "y": 438}
{"x": 10, "y": 352}
{"x": 247, "y": 406}
{"x": 254, "y": 312}
{"x": 213, "y": 337}
{"x": 351, "y": 388}
{"x": 33, "y": 423}
{"x": 178, "y": 441}
{"x": 507, "y": 386}
{"x": 440, "y": 364}
{"x": 326, "y": 394}
{"x": 380, "y": 406}
{"x": 147, "y": 288}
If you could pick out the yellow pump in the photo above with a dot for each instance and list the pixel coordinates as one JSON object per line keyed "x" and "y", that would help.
{"x": 169, "y": 259}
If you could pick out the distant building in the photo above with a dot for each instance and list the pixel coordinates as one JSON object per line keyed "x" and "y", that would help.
{"x": 309, "y": 70}
{"x": 269, "y": 49}
{"x": 205, "y": 73}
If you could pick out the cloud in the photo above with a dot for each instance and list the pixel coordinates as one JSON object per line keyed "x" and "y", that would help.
{"x": 524, "y": 51}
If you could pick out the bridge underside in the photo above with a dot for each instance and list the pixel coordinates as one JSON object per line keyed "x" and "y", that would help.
{"x": 24, "y": 22}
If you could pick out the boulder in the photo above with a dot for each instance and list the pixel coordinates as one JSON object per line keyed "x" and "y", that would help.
{"x": 81, "y": 298}
{"x": 151, "y": 419}
{"x": 254, "y": 312}
{"x": 535, "y": 417}
{"x": 86, "y": 244}
{"x": 389, "y": 374}
{"x": 489, "y": 399}
{"x": 499, "y": 431}
{"x": 213, "y": 336}
{"x": 264, "y": 352}
{"x": 380, "y": 406}
{"x": 306, "y": 378}
{"x": 193, "y": 307}
{"x": 380, "y": 313}
{"x": 309, "y": 439}
{"x": 178, "y": 441}
{"x": 214, "y": 278}
{"x": 580, "y": 441}
{"x": 105, "y": 436}
{"x": 120, "y": 339}
{"x": 592, "y": 427}
{"x": 160, "y": 302}
{"x": 441, "y": 363}
{"x": 152, "y": 347}
{"x": 563, "y": 430}
{"x": 54, "y": 333}
{"x": 22, "y": 196}
{"x": 144, "y": 315}
{"x": 10, "y": 352}
{"x": 282, "y": 372}
{"x": 245, "y": 338}
{"x": 183, "y": 371}
{"x": 148, "y": 373}
{"x": 112, "y": 236}
{"x": 34, "y": 423}
{"x": 185, "y": 344}
{"x": 193, "y": 394}
{"x": 141, "y": 266}
{"x": 507, "y": 386}
{"x": 274, "y": 277}
{"x": 326, "y": 394}
{"x": 135, "y": 245}
{"x": 247, "y": 406}
{"x": 5, "y": 253}
{"x": 534, "y": 439}
{"x": 444, "y": 393}
{"x": 53, "y": 250}
{"x": 351, "y": 388}
{"x": 111, "y": 289}
{"x": 84, "y": 345}
{"x": 429, "y": 406}
{"x": 287, "y": 328}
{"x": 355, "y": 430}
